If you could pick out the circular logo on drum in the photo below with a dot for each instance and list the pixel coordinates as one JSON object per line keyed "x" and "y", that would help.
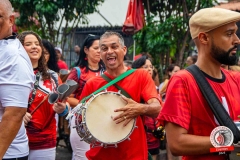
{"x": 221, "y": 136}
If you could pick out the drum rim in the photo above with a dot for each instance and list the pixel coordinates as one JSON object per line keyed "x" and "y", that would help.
{"x": 84, "y": 118}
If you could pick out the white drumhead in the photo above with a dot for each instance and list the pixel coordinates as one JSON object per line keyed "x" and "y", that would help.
{"x": 98, "y": 114}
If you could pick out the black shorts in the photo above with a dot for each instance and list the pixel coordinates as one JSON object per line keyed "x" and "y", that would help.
{"x": 154, "y": 151}
{"x": 20, "y": 158}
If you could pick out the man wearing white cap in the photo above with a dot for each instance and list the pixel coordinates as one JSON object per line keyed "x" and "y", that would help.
{"x": 187, "y": 116}
{"x": 61, "y": 64}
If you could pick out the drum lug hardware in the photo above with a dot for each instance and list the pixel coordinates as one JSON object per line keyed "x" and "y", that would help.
{"x": 93, "y": 96}
{"x": 116, "y": 145}
{"x": 83, "y": 122}
{"x": 135, "y": 126}
{"x": 83, "y": 138}
{"x": 119, "y": 92}
{"x": 129, "y": 138}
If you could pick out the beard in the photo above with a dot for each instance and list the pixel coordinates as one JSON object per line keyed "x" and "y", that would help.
{"x": 223, "y": 56}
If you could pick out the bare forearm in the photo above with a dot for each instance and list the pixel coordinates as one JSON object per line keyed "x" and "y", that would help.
{"x": 182, "y": 143}
{"x": 190, "y": 145}
{"x": 10, "y": 124}
{"x": 151, "y": 109}
{"x": 72, "y": 101}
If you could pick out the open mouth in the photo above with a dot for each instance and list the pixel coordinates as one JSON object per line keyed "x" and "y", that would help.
{"x": 34, "y": 53}
{"x": 111, "y": 60}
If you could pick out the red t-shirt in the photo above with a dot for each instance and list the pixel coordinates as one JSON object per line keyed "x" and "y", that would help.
{"x": 41, "y": 130}
{"x": 139, "y": 85}
{"x": 62, "y": 65}
{"x": 84, "y": 76}
{"x": 186, "y": 106}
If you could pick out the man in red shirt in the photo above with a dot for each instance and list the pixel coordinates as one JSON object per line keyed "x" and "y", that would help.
{"x": 139, "y": 85}
{"x": 188, "y": 118}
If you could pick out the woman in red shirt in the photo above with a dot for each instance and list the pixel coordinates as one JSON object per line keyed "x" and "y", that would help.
{"x": 40, "y": 117}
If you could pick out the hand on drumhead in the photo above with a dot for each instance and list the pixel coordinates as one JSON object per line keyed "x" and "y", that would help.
{"x": 27, "y": 118}
{"x": 129, "y": 112}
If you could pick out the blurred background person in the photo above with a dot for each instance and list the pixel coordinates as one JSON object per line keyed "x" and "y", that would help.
{"x": 89, "y": 65}
{"x": 50, "y": 55}
{"x": 153, "y": 143}
{"x": 61, "y": 63}
{"x": 40, "y": 119}
{"x": 128, "y": 63}
{"x": 191, "y": 60}
{"x": 77, "y": 51}
{"x": 171, "y": 70}
{"x": 235, "y": 68}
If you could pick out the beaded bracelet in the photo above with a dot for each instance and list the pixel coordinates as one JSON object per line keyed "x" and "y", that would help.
{"x": 64, "y": 112}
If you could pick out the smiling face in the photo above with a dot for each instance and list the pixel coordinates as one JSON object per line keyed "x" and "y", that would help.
{"x": 32, "y": 47}
{"x": 112, "y": 53}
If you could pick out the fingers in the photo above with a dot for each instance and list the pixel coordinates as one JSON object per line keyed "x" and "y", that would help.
{"x": 126, "y": 99}
{"x": 123, "y": 119}
{"x": 126, "y": 122}
{"x": 27, "y": 118}
{"x": 59, "y": 107}
{"x": 119, "y": 119}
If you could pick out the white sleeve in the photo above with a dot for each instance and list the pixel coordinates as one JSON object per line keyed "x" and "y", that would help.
{"x": 14, "y": 95}
{"x": 16, "y": 78}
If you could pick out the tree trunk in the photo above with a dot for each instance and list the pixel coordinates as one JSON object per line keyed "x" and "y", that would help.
{"x": 181, "y": 52}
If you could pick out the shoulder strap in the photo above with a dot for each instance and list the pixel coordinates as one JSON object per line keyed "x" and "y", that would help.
{"x": 54, "y": 78}
{"x": 120, "y": 77}
{"x": 216, "y": 106}
{"x": 34, "y": 91}
{"x": 117, "y": 86}
{"x": 78, "y": 72}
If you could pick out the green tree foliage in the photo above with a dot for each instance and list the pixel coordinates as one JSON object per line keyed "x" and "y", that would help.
{"x": 166, "y": 33}
{"x": 50, "y": 18}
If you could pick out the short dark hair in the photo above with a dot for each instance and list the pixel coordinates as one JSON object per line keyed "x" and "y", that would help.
{"x": 111, "y": 33}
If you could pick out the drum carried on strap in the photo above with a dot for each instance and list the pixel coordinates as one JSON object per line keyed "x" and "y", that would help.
{"x": 94, "y": 121}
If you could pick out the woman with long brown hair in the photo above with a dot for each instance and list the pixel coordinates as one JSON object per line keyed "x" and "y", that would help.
{"x": 40, "y": 117}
